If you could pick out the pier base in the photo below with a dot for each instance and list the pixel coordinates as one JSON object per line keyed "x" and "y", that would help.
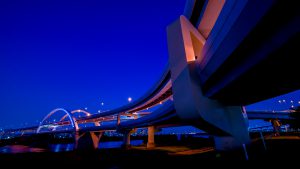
{"x": 151, "y": 142}
{"x": 87, "y": 140}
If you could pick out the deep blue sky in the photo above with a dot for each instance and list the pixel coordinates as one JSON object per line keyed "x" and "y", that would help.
{"x": 77, "y": 54}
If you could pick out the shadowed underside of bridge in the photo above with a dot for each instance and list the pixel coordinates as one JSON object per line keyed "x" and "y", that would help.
{"x": 257, "y": 58}
{"x": 230, "y": 54}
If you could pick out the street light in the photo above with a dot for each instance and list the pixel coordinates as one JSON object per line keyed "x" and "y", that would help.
{"x": 129, "y": 99}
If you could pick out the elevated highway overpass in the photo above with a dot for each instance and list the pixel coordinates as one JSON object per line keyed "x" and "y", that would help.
{"x": 223, "y": 55}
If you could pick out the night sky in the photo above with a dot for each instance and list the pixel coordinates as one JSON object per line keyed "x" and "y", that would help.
{"x": 78, "y": 54}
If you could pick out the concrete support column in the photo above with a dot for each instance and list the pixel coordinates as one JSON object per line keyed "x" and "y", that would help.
{"x": 87, "y": 140}
{"x": 228, "y": 123}
{"x": 126, "y": 139}
{"x": 224, "y": 143}
{"x": 77, "y": 136}
{"x": 276, "y": 126}
{"x": 119, "y": 119}
{"x": 151, "y": 143}
{"x": 96, "y": 136}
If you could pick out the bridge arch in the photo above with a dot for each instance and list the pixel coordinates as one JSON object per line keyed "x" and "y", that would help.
{"x": 68, "y": 114}
{"x": 79, "y": 111}
{"x": 75, "y": 111}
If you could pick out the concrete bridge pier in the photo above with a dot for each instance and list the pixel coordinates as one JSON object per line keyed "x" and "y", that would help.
{"x": 126, "y": 139}
{"x": 87, "y": 140}
{"x": 227, "y": 122}
{"x": 276, "y": 126}
{"x": 151, "y": 142}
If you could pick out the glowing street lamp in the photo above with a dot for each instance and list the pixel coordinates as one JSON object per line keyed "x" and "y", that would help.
{"x": 129, "y": 99}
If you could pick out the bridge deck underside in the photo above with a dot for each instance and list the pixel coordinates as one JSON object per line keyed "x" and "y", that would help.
{"x": 264, "y": 65}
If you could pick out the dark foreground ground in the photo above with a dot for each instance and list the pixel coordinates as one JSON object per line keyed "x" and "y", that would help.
{"x": 279, "y": 150}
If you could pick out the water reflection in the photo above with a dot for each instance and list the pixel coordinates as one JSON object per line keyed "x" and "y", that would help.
{"x": 14, "y": 149}
{"x": 118, "y": 144}
{"x": 61, "y": 147}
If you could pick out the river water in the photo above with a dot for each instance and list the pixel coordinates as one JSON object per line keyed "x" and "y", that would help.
{"x": 13, "y": 149}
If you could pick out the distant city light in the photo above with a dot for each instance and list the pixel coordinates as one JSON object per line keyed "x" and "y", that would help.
{"x": 283, "y": 101}
{"x": 99, "y": 111}
{"x": 279, "y": 101}
{"x": 129, "y": 99}
{"x": 102, "y": 104}
{"x": 86, "y": 108}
